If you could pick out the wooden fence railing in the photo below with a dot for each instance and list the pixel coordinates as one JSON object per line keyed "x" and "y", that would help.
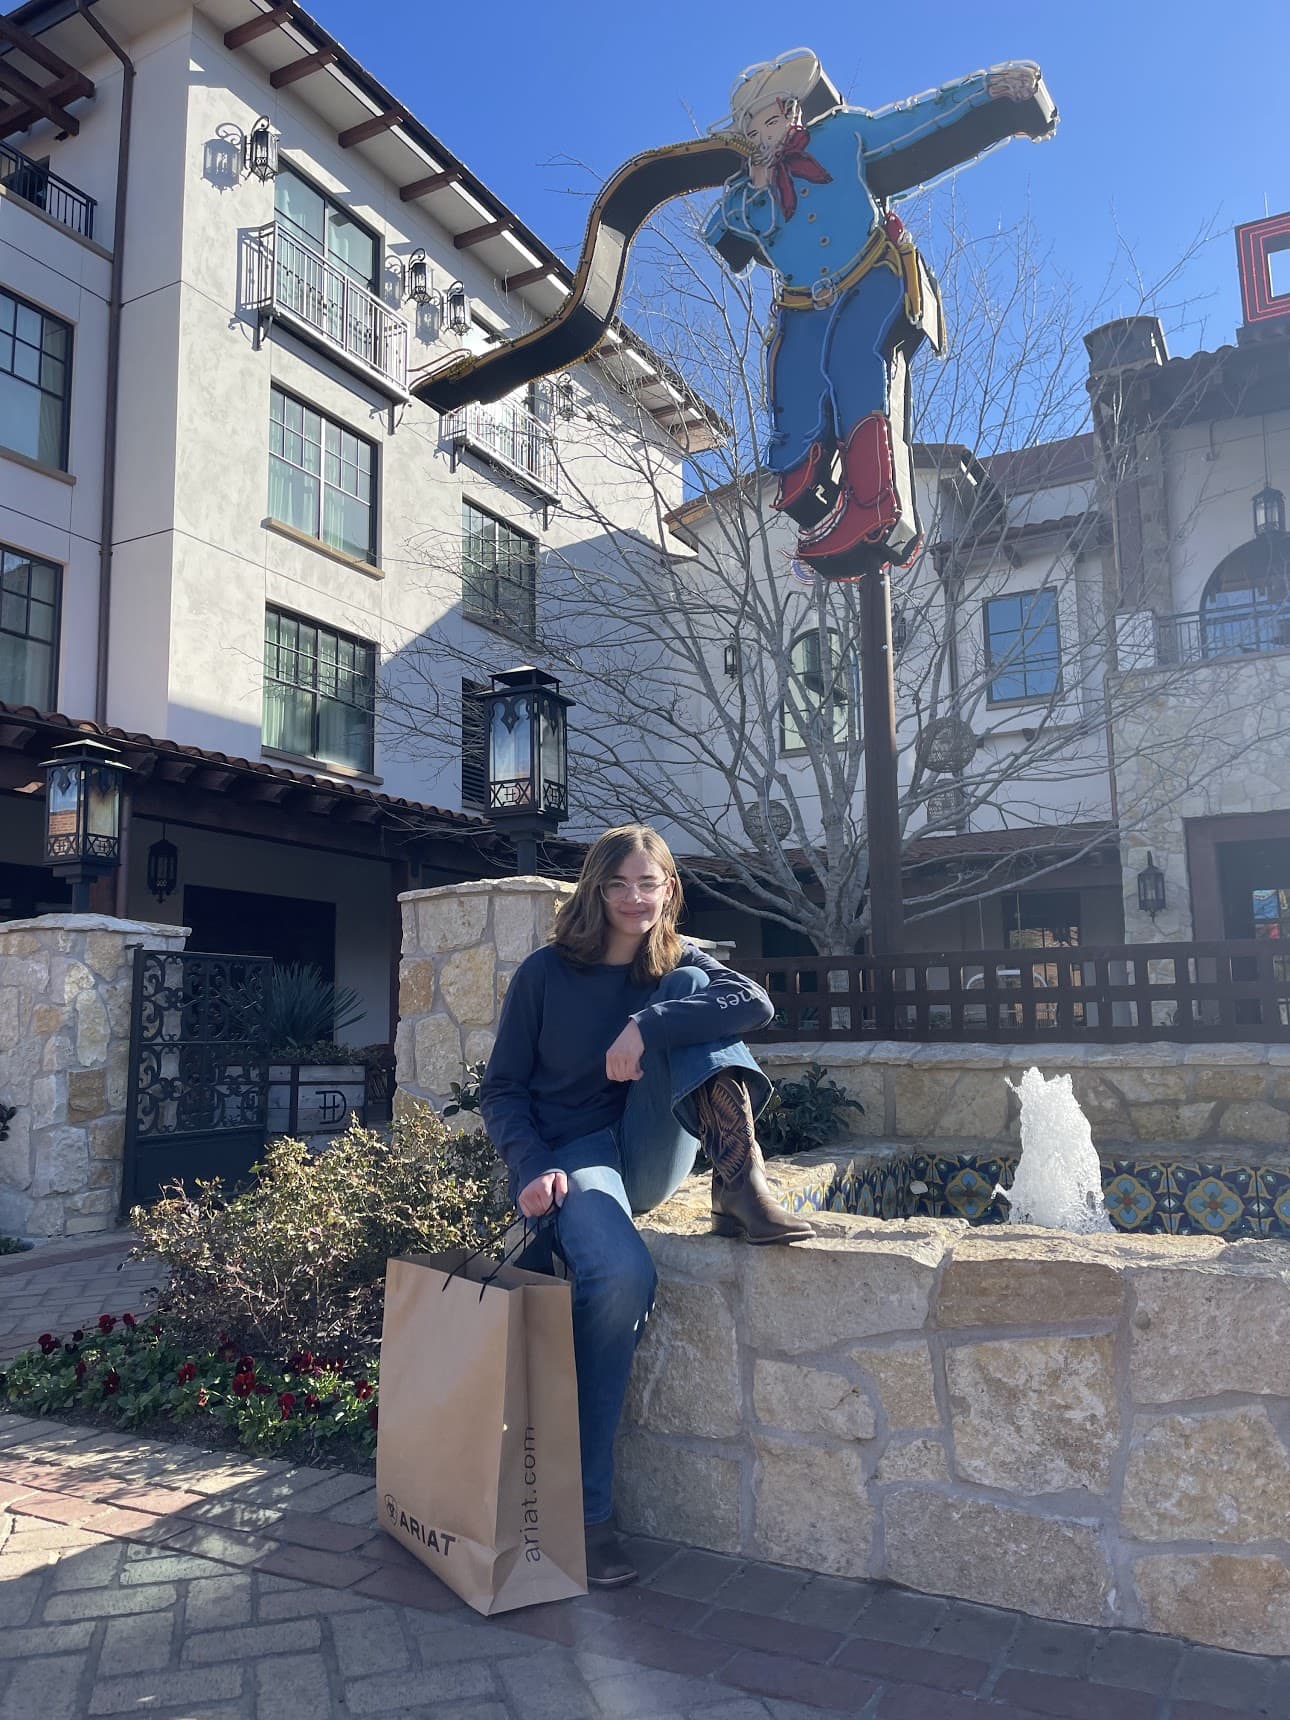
{"x": 1104, "y": 993}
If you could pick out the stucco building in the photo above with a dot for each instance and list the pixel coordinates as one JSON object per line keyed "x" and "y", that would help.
{"x": 225, "y": 250}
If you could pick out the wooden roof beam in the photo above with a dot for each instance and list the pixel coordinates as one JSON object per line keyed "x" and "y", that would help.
{"x": 527, "y": 277}
{"x": 260, "y": 25}
{"x": 213, "y": 780}
{"x": 176, "y": 769}
{"x": 35, "y": 49}
{"x": 432, "y": 182}
{"x": 271, "y": 791}
{"x": 373, "y": 127}
{"x": 477, "y": 235}
{"x": 302, "y": 68}
{"x": 43, "y": 98}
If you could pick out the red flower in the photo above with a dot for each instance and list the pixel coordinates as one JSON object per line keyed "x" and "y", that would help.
{"x": 311, "y": 1401}
{"x": 371, "y": 1416}
{"x": 286, "y": 1403}
{"x": 362, "y": 1390}
{"x": 246, "y": 1364}
{"x": 262, "y": 1390}
{"x": 80, "y": 1372}
{"x": 155, "y": 1329}
{"x": 47, "y": 1342}
{"x": 129, "y": 1321}
{"x": 187, "y": 1372}
{"x": 202, "y": 1398}
{"x": 112, "y": 1383}
{"x": 243, "y": 1384}
{"x": 106, "y": 1322}
{"x": 77, "y": 1335}
{"x": 301, "y": 1362}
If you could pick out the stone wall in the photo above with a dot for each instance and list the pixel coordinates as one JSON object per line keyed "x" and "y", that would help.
{"x": 64, "y": 1050}
{"x": 1091, "y": 1429}
{"x": 1134, "y": 1095}
{"x": 461, "y": 944}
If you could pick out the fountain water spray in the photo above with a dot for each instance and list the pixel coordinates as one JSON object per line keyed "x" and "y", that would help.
{"x": 1058, "y": 1181}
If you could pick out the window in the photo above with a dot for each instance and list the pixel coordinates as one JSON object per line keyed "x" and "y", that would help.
{"x": 35, "y": 382}
{"x": 807, "y": 692}
{"x": 321, "y": 478}
{"x": 28, "y": 629}
{"x": 1022, "y": 646}
{"x": 474, "y": 745}
{"x": 319, "y": 691}
{"x": 498, "y": 572}
{"x": 1041, "y": 919}
{"x": 326, "y": 228}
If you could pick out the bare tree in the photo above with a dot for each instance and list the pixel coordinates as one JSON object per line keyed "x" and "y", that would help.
{"x": 758, "y": 773}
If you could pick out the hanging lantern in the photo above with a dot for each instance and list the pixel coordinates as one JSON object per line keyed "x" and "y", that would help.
{"x": 528, "y": 776}
{"x": 565, "y": 397}
{"x": 419, "y": 284}
{"x": 732, "y": 664}
{"x": 1269, "y": 512}
{"x": 899, "y": 630}
{"x": 83, "y": 814}
{"x": 458, "y": 308}
{"x": 260, "y": 150}
{"x": 163, "y": 867}
{"x": 1151, "y": 887}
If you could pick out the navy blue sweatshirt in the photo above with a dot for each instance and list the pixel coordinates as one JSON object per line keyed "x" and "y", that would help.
{"x": 545, "y": 1083}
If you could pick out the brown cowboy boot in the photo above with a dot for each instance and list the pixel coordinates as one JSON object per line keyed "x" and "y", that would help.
{"x": 608, "y": 1566}
{"x": 742, "y": 1204}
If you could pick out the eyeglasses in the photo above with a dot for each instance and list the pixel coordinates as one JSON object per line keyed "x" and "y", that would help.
{"x": 648, "y": 889}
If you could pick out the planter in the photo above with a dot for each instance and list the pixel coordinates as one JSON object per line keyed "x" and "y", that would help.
{"x": 312, "y": 1099}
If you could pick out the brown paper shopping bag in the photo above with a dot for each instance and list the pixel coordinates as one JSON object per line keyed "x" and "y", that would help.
{"x": 477, "y": 1465}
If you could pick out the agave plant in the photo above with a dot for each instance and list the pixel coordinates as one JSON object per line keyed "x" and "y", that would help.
{"x": 301, "y": 1008}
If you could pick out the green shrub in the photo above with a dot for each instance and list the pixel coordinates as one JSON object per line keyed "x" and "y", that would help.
{"x": 13, "y": 1245}
{"x": 297, "y": 1261}
{"x": 805, "y": 1114}
{"x": 301, "y": 1008}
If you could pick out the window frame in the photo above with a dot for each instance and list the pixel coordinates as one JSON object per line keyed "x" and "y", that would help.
{"x": 1016, "y": 665}
{"x": 69, "y": 330}
{"x": 495, "y": 617}
{"x": 320, "y": 628}
{"x": 330, "y": 201}
{"x": 56, "y": 634}
{"x": 844, "y": 670}
{"x": 372, "y": 558}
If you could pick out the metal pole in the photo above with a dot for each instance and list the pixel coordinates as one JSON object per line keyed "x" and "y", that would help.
{"x": 525, "y": 855}
{"x": 881, "y": 789}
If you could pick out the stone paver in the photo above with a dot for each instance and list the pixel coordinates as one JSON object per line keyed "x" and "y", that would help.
{"x": 143, "y": 1578}
{"x": 58, "y": 1286}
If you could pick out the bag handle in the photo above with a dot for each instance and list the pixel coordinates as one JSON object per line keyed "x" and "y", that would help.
{"x": 488, "y": 1242}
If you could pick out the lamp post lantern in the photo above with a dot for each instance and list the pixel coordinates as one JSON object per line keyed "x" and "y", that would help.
{"x": 1151, "y": 888}
{"x": 260, "y": 150}
{"x": 1269, "y": 512}
{"x": 526, "y": 720}
{"x": 83, "y": 815}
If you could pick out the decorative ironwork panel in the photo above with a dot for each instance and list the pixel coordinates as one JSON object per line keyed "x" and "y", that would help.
{"x": 197, "y": 1104}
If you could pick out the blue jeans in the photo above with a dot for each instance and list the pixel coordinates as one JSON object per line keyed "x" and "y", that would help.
{"x": 614, "y": 1173}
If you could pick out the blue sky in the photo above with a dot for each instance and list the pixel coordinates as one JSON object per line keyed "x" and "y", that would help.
{"x": 1168, "y": 122}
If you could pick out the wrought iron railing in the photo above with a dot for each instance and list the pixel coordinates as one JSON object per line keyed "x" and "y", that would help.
{"x": 286, "y": 279}
{"x": 510, "y": 437}
{"x": 33, "y": 181}
{"x": 1208, "y": 635}
{"x": 1104, "y": 994}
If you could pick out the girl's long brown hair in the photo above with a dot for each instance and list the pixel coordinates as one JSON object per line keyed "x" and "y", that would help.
{"x": 581, "y": 928}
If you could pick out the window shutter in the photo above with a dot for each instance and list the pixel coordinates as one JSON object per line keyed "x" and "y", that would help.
{"x": 474, "y": 746}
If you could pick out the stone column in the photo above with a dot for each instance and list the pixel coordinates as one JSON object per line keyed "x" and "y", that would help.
{"x": 64, "y": 1062}
{"x": 461, "y": 944}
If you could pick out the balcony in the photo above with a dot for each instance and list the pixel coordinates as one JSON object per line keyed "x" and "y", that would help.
{"x": 35, "y": 184}
{"x": 287, "y": 282}
{"x": 1213, "y": 635}
{"x": 510, "y": 438}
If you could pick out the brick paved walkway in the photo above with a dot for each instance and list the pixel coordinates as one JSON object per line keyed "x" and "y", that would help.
{"x": 141, "y": 1578}
{"x": 61, "y": 1285}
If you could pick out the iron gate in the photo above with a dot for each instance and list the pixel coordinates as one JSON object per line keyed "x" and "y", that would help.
{"x": 197, "y": 1101}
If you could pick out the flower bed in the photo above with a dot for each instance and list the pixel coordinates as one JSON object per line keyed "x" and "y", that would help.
{"x": 139, "y": 1374}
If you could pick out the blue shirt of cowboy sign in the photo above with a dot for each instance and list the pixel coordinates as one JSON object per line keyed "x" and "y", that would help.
{"x": 853, "y": 300}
